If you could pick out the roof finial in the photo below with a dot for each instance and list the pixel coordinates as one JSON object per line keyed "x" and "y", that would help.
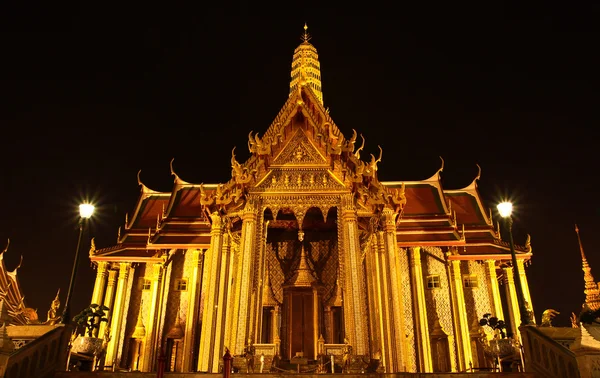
{"x": 7, "y": 244}
{"x": 592, "y": 294}
{"x": 305, "y": 35}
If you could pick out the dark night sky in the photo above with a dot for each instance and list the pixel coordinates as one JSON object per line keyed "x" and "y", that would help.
{"x": 92, "y": 95}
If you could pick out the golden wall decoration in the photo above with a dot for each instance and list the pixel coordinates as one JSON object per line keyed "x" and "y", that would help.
{"x": 409, "y": 321}
{"x": 477, "y": 300}
{"x": 438, "y": 300}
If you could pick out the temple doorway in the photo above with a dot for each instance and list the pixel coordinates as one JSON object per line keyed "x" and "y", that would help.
{"x": 301, "y": 268}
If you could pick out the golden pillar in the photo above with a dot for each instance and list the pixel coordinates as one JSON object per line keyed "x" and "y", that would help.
{"x": 221, "y": 305}
{"x": 230, "y": 319}
{"x": 396, "y": 315}
{"x": 525, "y": 286}
{"x": 494, "y": 288}
{"x": 315, "y": 321}
{"x": 101, "y": 274}
{"x": 374, "y": 301}
{"x": 210, "y": 282}
{"x": 384, "y": 318}
{"x": 153, "y": 319}
{"x": 420, "y": 310}
{"x": 234, "y": 308}
{"x": 463, "y": 339}
{"x": 355, "y": 319}
{"x": 513, "y": 304}
{"x": 109, "y": 296}
{"x": 194, "y": 304}
{"x": 276, "y": 312}
{"x": 247, "y": 249}
{"x": 117, "y": 313}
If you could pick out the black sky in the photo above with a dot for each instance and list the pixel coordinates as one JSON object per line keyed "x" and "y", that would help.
{"x": 91, "y": 95}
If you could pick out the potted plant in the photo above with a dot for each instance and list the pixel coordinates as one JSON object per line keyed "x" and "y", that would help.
{"x": 497, "y": 326}
{"x": 496, "y": 344}
{"x": 88, "y": 323}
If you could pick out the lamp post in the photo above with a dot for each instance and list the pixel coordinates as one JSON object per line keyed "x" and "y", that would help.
{"x": 85, "y": 212}
{"x": 505, "y": 210}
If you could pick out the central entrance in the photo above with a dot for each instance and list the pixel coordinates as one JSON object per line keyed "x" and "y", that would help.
{"x": 302, "y": 267}
{"x": 300, "y": 317}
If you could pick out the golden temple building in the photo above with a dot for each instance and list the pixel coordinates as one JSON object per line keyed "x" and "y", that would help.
{"x": 303, "y": 250}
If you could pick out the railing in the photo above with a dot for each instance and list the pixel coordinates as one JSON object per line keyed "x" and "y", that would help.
{"x": 546, "y": 357}
{"x": 41, "y": 356}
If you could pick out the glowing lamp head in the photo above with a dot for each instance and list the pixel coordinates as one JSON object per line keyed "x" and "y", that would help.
{"x": 86, "y": 210}
{"x": 505, "y": 209}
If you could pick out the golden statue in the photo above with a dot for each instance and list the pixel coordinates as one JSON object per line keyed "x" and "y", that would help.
{"x": 346, "y": 356}
{"x": 53, "y": 316}
{"x": 547, "y": 317}
{"x": 574, "y": 321}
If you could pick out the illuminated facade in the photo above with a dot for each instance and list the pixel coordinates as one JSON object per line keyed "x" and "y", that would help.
{"x": 302, "y": 249}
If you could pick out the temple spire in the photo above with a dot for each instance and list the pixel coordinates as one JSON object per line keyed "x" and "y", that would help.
{"x": 306, "y": 69}
{"x": 305, "y": 35}
{"x": 592, "y": 294}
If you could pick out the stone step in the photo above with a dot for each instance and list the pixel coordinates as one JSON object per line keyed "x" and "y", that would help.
{"x": 104, "y": 374}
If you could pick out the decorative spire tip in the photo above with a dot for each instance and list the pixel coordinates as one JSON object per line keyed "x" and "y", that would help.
{"x": 305, "y": 35}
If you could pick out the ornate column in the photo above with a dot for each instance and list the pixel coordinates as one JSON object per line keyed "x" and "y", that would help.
{"x": 234, "y": 308}
{"x": 315, "y": 319}
{"x": 463, "y": 339}
{"x": 355, "y": 319}
{"x": 210, "y": 278}
{"x": 247, "y": 249}
{"x": 525, "y": 286}
{"x": 109, "y": 296}
{"x": 193, "y": 307}
{"x": 375, "y": 298}
{"x": 492, "y": 279}
{"x": 117, "y": 313}
{"x": 396, "y": 307}
{"x": 420, "y": 310}
{"x": 101, "y": 273}
{"x": 152, "y": 320}
{"x": 221, "y": 305}
{"x": 513, "y": 304}
{"x": 385, "y": 304}
{"x": 276, "y": 312}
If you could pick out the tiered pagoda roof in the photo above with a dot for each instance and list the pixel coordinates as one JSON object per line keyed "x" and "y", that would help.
{"x": 303, "y": 137}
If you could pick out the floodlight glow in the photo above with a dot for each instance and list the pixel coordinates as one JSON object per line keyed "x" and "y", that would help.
{"x": 505, "y": 209}
{"x": 86, "y": 210}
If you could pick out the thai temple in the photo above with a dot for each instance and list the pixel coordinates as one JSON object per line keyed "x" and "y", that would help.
{"x": 304, "y": 256}
{"x": 303, "y": 250}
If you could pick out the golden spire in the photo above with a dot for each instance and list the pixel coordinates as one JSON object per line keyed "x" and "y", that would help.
{"x": 305, "y": 35}
{"x": 140, "y": 330}
{"x": 303, "y": 276}
{"x": 306, "y": 69}
{"x": 592, "y": 294}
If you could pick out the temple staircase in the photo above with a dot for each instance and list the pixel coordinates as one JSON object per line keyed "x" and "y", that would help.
{"x": 74, "y": 374}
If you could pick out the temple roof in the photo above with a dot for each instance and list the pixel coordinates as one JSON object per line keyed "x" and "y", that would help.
{"x": 303, "y": 152}
{"x": 11, "y": 294}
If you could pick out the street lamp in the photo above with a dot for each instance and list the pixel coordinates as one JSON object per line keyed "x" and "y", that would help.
{"x": 85, "y": 212}
{"x": 505, "y": 210}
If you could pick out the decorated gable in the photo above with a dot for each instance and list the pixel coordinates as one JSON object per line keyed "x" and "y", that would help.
{"x": 299, "y": 151}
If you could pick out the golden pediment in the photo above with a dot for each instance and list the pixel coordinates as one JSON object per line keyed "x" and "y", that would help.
{"x": 299, "y": 151}
{"x": 299, "y": 180}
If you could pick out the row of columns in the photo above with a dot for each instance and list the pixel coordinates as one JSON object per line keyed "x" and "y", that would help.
{"x": 465, "y": 353}
{"x": 110, "y": 290}
{"x": 223, "y": 281}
